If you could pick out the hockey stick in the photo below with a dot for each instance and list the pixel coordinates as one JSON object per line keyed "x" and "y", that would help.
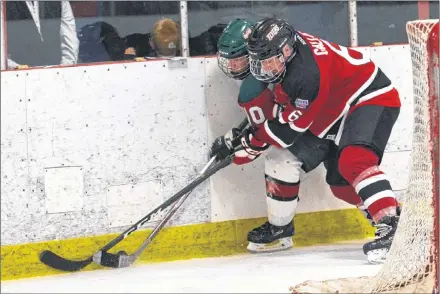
{"x": 55, "y": 261}
{"x": 121, "y": 259}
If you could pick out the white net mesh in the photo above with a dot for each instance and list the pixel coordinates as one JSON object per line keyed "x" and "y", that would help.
{"x": 411, "y": 266}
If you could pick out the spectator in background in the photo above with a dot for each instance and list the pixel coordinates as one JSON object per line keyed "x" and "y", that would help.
{"x": 33, "y": 41}
{"x": 100, "y": 41}
{"x": 163, "y": 41}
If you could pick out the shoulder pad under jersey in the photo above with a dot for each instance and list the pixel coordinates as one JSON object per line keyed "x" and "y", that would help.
{"x": 250, "y": 89}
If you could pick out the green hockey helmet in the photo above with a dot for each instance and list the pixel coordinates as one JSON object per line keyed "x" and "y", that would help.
{"x": 232, "y": 57}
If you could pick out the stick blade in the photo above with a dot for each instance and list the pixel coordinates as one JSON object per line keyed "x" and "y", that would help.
{"x": 60, "y": 263}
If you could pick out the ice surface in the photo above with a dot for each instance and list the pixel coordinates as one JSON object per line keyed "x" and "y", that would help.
{"x": 250, "y": 273}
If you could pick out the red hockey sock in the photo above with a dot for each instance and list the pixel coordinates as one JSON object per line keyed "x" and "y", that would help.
{"x": 358, "y": 165}
{"x": 347, "y": 194}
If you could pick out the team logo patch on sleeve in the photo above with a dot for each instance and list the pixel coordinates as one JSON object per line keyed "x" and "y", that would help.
{"x": 301, "y": 103}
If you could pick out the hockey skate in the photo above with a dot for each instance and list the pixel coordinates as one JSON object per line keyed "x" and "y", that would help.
{"x": 377, "y": 250}
{"x": 270, "y": 238}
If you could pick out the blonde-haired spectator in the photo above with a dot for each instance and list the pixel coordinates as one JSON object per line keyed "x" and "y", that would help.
{"x": 165, "y": 37}
{"x": 162, "y": 41}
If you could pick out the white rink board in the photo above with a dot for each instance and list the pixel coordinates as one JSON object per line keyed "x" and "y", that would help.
{"x": 14, "y": 160}
{"x": 121, "y": 124}
{"x": 141, "y": 132}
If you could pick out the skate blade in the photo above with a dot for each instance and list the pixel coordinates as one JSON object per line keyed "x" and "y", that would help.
{"x": 378, "y": 256}
{"x": 275, "y": 246}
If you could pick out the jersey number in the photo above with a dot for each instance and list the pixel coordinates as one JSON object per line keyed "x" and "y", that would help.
{"x": 257, "y": 115}
{"x": 294, "y": 115}
{"x": 343, "y": 52}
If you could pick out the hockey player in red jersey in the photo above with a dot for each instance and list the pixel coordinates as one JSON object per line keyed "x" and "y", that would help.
{"x": 336, "y": 94}
{"x": 282, "y": 166}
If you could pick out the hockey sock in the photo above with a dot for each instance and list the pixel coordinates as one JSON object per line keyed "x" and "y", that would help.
{"x": 359, "y": 166}
{"x": 347, "y": 194}
{"x": 282, "y": 199}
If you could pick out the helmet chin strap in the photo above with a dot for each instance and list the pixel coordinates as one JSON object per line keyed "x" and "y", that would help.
{"x": 291, "y": 56}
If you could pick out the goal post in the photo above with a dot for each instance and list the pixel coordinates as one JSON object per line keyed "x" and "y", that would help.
{"x": 412, "y": 265}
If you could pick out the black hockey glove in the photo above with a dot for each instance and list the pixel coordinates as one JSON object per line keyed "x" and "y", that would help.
{"x": 224, "y": 145}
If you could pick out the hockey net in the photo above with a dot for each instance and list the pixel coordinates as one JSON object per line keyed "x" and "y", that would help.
{"x": 412, "y": 263}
